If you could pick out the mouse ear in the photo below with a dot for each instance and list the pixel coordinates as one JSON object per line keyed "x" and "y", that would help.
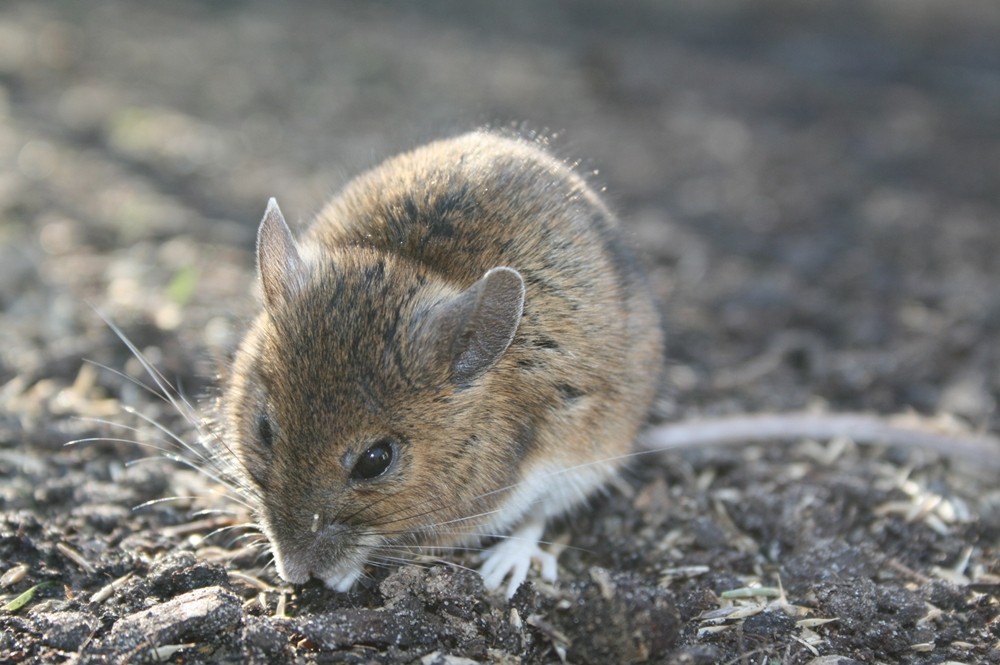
{"x": 473, "y": 329}
{"x": 281, "y": 269}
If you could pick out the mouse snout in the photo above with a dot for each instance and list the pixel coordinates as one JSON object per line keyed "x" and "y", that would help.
{"x": 318, "y": 551}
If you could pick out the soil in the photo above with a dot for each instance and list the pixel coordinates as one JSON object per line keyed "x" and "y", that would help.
{"x": 814, "y": 185}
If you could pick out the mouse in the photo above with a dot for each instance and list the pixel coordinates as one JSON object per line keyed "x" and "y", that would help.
{"x": 462, "y": 345}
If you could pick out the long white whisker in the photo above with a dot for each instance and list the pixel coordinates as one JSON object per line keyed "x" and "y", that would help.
{"x": 131, "y": 379}
{"x": 194, "y": 467}
{"x": 223, "y": 529}
{"x": 167, "y": 453}
{"x": 105, "y": 421}
{"x": 261, "y": 538}
{"x": 434, "y": 548}
{"x": 165, "y": 499}
{"x": 466, "y": 518}
{"x": 395, "y": 560}
{"x": 136, "y": 442}
{"x": 267, "y": 565}
{"x": 112, "y": 439}
{"x": 182, "y": 406}
{"x": 181, "y": 442}
{"x": 208, "y": 512}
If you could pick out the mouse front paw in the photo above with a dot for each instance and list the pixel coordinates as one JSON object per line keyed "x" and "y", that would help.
{"x": 511, "y": 558}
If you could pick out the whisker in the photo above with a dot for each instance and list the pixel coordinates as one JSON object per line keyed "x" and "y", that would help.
{"x": 395, "y": 560}
{"x": 170, "y": 434}
{"x": 438, "y": 508}
{"x": 261, "y": 538}
{"x": 131, "y": 379}
{"x": 179, "y": 391}
{"x": 135, "y": 442}
{"x": 367, "y": 506}
{"x": 165, "y": 391}
{"x": 507, "y": 536}
{"x": 267, "y": 565}
{"x": 231, "y": 459}
{"x": 105, "y": 421}
{"x": 467, "y": 518}
{"x": 164, "y": 499}
{"x": 161, "y": 381}
{"x": 224, "y": 529}
{"x": 112, "y": 439}
{"x": 435, "y": 548}
{"x": 166, "y": 454}
{"x": 191, "y": 465}
{"x": 399, "y": 518}
{"x": 207, "y": 512}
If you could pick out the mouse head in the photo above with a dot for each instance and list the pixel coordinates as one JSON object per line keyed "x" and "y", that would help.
{"x": 359, "y": 402}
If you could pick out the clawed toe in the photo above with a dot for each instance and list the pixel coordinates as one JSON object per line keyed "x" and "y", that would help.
{"x": 511, "y": 558}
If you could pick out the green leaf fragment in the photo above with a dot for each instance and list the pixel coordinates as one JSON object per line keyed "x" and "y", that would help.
{"x": 26, "y": 597}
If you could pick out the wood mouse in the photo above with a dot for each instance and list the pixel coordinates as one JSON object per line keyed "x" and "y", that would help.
{"x": 462, "y": 345}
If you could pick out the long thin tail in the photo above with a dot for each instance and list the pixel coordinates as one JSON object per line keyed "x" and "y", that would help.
{"x": 904, "y": 430}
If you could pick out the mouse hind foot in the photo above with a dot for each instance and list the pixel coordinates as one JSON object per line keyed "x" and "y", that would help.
{"x": 511, "y": 558}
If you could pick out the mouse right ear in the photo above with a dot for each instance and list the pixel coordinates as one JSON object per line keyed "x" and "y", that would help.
{"x": 282, "y": 272}
{"x": 472, "y": 330}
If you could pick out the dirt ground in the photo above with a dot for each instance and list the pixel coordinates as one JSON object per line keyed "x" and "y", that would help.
{"x": 815, "y": 187}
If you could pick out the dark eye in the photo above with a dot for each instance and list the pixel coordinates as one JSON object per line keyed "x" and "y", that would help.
{"x": 373, "y": 462}
{"x": 265, "y": 430}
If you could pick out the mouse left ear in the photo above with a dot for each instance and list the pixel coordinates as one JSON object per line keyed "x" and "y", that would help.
{"x": 472, "y": 330}
{"x": 282, "y": 272}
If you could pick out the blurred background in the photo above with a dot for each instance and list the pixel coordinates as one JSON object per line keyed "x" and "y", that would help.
{"x": 814, "y": 184}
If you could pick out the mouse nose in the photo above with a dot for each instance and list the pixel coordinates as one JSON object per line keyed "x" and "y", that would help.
{"x": 325, "y": 554}
{"x": 308, "y": 550}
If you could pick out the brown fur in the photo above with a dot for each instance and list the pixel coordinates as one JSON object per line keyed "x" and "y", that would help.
{"x": 340, "y": 360}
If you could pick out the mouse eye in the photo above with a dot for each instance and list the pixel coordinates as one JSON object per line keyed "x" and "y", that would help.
{"x": 265, "y": 431}
{"x": 373, "y": 462}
